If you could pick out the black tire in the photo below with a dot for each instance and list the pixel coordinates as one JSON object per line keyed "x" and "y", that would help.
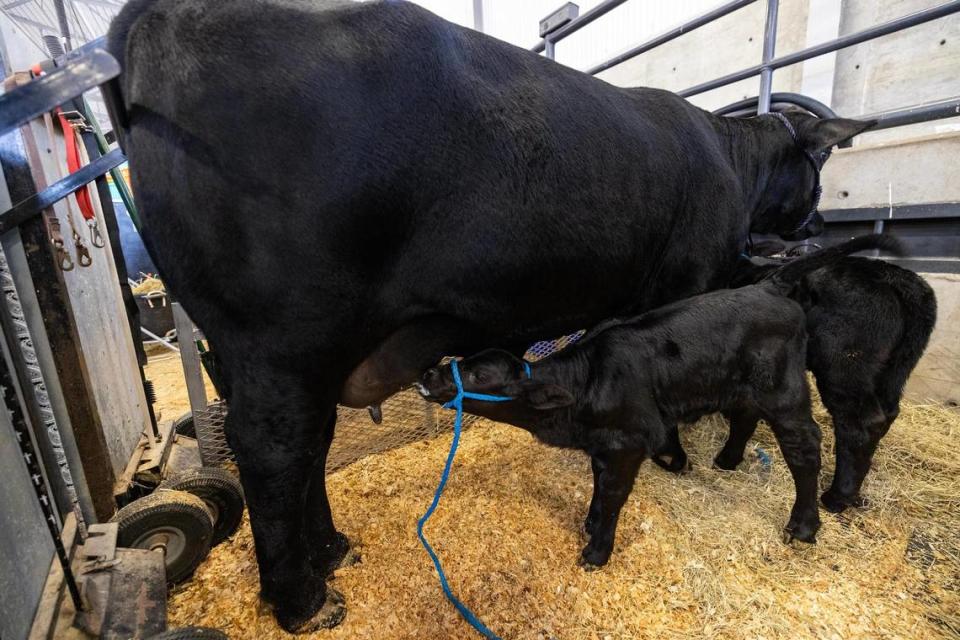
{"x": 221, "y": 492}
{"x": 191, "y": 633}
{"x": 175, "y": 521}
{"x": 184, "y": 425}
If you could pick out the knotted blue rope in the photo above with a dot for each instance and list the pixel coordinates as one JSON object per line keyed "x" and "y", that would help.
{"x": 457, "y": 403}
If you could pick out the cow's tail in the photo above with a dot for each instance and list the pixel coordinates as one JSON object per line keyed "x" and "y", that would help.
{"x": 117, "y": 38}
{"x": 919, "y": 310}
{"x": 786, "y": 277}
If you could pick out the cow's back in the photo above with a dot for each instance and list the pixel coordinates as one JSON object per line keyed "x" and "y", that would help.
{"x": 375, "y": 155}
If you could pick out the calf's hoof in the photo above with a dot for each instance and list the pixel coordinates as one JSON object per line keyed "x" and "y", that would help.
{"x": 834, "y": 502}
{"x": 589, "y": 526}
{"x": 332, "y": 613}
{"x": 678, "y": 464}
{"x": 726, "y": 462}
{"x": 592, "y": 558}
{"x": 803, "y": 532}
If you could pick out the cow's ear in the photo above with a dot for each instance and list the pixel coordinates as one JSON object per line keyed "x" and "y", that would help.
{"x": 822, "y": 134}
{"x": 544, "y": 395}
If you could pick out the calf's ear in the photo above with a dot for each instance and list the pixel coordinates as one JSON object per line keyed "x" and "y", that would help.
{"x": 822, "y": 134}
{"x": 544, "y": 395}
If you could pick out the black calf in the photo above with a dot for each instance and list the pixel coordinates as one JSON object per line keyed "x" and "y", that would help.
{"x": 619, "y": 393}
{"x": 868, "y": 323}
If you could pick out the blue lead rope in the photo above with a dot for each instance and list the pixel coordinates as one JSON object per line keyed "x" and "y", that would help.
{"x": 457, "y": 403}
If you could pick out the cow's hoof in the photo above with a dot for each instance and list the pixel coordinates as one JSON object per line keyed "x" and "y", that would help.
{"x": 350, "y": 558}
{"x": 678, "y": 464}
{"x": 341, "y": 556}
{"x": 332, "y": 613}
{"x": 726, "y": 462}
{"x": 835, "y": 503}
{"x": 800, "y": 532}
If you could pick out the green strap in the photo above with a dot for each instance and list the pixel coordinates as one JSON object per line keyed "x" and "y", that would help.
{"x": 117, "y": 176}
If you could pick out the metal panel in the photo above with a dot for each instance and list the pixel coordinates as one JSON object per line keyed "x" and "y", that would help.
{"x": 104, "y": 332}
{"x": 26, "y": 551}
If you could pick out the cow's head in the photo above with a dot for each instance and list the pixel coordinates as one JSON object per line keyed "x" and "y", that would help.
{"x": 800, "y": 145}
{"x": 498, "y": 373}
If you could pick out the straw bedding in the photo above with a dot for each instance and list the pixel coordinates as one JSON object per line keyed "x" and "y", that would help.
{"x": 696, "y": 556}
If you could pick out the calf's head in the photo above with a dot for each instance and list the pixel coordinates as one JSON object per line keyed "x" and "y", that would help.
{"x": 798, "y": 146}
{"x": 497, "y": 373}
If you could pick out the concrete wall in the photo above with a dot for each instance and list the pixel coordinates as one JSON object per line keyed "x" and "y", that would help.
{"x": 915, "y": 66}
{"x": 937, "y": 376}
{"x": 727, "y": 45}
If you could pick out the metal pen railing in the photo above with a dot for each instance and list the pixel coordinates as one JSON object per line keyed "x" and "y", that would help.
{"x": 769, "y": 63}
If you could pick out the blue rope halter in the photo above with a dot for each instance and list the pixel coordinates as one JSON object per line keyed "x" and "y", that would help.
{"x": 457, "y": 403}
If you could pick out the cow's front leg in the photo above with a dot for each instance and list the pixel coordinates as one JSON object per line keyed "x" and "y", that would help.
{"x": 618, "y": 472}
{"x": 279, "y": 427}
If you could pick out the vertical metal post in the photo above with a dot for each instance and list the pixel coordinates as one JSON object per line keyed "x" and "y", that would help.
{"x": 64, "y": 24}
{"x": 190, "y": 356}
{"x": 769, "y": 49}
{"x": 478, "y": 15}
{"x": 549, "y": 49}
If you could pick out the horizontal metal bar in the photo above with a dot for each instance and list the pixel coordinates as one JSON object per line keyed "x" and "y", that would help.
{"x": 26, "y": 209}
{"x": 928, "y": 265}
{"x": 830, "y": 46}
{"x": 936, "y": 211}
{"x": 749, "y": 105}
{"x": 43, "y": 94}
{"x": 911, "y": 115}
{"x": 575, "y": 25}
{"x": 667, "y": 36}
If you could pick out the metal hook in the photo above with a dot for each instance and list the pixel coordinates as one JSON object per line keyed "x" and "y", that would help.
{"x": 63, "y": 257}
{"x": 83, "y": 254}
{"x": 96, "y": 238}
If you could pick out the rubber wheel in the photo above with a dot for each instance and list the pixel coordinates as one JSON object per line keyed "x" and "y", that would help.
{"x": 221, "y": 492}
{"x": 191, "y": 633}
{"x": 177, "y": 522}
{"x": 184, "y": 425}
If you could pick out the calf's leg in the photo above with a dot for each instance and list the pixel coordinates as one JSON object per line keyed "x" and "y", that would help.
{"x": 593, "y": 513}
{"x": 743, "y": 424}
{"x": 672, "y": 457}
{"x": 799, "y": 438}
{"x": 857, "y": 432}
{"x": 618, "y": 472}
{"x": 279, "y": 427}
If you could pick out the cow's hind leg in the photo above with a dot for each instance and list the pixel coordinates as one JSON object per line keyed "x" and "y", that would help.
{"x": 857, "y": 432}
{"x": 334, "y": 551}
{"x": 743, "y": 424}
{"x": 279, "y": 428}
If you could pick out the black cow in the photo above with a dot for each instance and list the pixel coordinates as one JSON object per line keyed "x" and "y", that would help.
{"x": 868, "y": 322}
{"x": 619, "y": 393}
{"x": 341, "y": 193}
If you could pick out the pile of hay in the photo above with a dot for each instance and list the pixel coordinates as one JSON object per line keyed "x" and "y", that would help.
{"x": 696, "y": 556}
{"x": 146, "y": 284}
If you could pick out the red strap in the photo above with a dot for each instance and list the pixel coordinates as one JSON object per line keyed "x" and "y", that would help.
{"x": 73, "y": 164}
